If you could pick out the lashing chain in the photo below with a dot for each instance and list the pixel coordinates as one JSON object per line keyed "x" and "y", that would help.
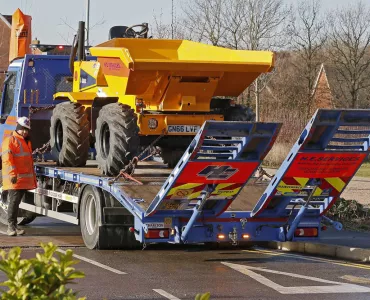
{"x": 129, "y": 169}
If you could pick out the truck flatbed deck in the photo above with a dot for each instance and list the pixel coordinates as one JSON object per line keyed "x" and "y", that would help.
{"x": 211, "y": 195}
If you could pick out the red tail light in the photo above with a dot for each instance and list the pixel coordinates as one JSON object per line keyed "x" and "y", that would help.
{"x": 306, "y": 232}
{"x": 157, "y": 234}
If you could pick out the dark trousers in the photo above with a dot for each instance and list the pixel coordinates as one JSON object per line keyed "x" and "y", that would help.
{"x": 14, "y": 199}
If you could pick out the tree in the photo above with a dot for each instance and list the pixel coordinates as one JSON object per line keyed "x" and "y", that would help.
{"x": 308, "y": 32}
{"x": 349, "y": 50}
{"x": 204, "y": 20}
{"x": 264, "y": 28}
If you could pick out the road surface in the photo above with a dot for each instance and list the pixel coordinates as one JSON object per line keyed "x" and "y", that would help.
{"x": 178, "y": 272}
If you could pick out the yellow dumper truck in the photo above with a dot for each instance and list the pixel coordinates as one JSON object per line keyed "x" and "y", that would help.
{"x": 133, "y": 89}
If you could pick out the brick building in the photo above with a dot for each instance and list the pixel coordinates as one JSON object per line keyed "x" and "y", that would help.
{"x": 322, "y": 91}
{"x": 5, "y": 28}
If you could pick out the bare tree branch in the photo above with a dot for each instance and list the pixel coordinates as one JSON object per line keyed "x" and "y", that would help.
{"x": 349, "y": 50}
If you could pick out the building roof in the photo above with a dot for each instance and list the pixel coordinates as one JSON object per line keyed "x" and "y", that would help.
{"x": 7, "y": 19}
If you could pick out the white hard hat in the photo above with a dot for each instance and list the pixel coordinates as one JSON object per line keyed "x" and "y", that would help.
{"x": 24, "y": 122}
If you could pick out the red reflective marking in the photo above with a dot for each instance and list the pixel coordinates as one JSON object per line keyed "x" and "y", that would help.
{"x": 243, "y": 171}
{"x": 322, "y": 165}
{"x": 157, "y": 234}
{"x": 306, "y": 232}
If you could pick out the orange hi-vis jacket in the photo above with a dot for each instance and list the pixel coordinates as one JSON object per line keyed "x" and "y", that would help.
{"x": 18, "y": 162}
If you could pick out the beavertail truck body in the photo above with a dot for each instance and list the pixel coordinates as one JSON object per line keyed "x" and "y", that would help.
{"x": 210, "y": 196}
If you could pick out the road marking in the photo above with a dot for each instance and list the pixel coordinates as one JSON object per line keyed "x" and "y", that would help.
{"x": 361, "y": 280}
{"x": 334, "y": 288}
{"x": 166, "y": 295}
{"x": 93, "y": 262}
{"x": 311, "y": 258}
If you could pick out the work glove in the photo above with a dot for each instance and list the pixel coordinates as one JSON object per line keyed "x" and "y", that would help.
{"x": 13, "y": 180}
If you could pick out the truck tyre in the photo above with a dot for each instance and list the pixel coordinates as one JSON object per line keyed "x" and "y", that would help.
{"x": 69, "y": 135}
{"x": 91, "y": 216}
{"x": 239, "y": 113}
{"x": 117, "y": 138}
{"x": 170, "y": 156}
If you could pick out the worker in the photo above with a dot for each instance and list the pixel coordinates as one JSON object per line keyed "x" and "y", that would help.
{"x": 18, "y": 171}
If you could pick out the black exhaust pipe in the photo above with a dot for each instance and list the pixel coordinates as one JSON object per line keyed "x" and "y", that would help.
{"x": 81, "y": 41}
{"x": 78, "y": 46}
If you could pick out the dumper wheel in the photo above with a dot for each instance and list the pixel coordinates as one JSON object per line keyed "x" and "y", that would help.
{"x": 171, "y": 156}
{"x": 239, "y": 113}
{"x": 69, "y": 135}
{"x": 117, "y": 138}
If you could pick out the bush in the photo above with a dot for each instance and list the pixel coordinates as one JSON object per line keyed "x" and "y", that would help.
{"x": 43, "y": 277}
{"x": 205, "y": 296}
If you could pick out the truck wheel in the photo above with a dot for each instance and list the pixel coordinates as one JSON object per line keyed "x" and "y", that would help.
{"x": 239, "y": 113}
{"x": 117, "y": 138}
{"x": 171, "y": 156}
{"x": 69, "y": 135}
{"x": 91, "y": 216}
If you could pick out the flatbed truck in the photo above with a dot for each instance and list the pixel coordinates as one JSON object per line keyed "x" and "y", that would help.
{"x": 209, "y": 197}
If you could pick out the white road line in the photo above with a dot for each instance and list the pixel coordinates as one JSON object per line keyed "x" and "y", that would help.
{"x": 334, "y": 288}
{"x": 311, "y": 258}
{"x": 166, "y": 295}
{"x": 93, "y": 262}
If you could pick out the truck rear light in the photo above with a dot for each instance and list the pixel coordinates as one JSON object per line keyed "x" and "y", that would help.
{"x": 221, "y": 236}
{"x": 306, "y": 232}
{"x": 157, "y": 234}
{"x": 245, "y": 236}
{"x": 152, "y": 123}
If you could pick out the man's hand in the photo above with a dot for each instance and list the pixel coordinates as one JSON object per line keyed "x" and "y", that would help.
{"x": 13, "y": 180}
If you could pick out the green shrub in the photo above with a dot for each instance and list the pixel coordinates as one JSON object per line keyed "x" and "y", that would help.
{"x": 43, "y": 277}
{"x": 206, "y": 296}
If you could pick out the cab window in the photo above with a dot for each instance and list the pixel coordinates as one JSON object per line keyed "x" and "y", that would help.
{"x": 8, "y": 97}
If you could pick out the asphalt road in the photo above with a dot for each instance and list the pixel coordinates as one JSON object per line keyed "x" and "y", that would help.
{"x": 173, "y": 272}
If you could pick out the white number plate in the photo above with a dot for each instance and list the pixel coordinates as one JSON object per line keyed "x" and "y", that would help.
{"x": 183, "y": 128}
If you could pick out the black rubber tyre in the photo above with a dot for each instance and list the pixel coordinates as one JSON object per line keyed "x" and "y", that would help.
{"x": 117, "y": 138}
{"x": 91, "y": 216}
{"x": 69, "y": 135}
{"x": 239, "y": 113}
{"x": 171, "y": 156}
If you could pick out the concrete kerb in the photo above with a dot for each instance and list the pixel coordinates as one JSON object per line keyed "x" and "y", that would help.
{"x": 340, "y": 252}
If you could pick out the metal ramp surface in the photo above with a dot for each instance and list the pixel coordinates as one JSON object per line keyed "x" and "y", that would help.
{"x": 324, "y": 159}
{"x": 214, "y": 168}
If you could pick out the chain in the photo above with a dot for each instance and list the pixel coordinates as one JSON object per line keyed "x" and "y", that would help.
{"x": 261, "y": 173}
{"x": 32, "y": 109}
{"x": 129, "y": 169}
{"x": 41, "y": 151}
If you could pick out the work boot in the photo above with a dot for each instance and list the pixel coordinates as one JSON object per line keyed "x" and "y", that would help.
{"x": 19, "y": 230}
{"x": 11, "y": 230}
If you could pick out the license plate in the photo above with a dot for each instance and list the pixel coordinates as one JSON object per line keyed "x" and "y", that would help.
{"x": 183, "y": 128}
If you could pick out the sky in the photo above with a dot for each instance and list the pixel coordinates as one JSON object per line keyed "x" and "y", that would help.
{"x": 55, "y": 21}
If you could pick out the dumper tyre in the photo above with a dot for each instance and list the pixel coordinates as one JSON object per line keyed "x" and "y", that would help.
{"x": 171, "y": 157}
{"x": 69, "y": 135}
{"x": 239, "y": 113}
{"x": 117, "y": 138}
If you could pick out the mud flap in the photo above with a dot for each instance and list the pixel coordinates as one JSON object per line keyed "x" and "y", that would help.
{"x": 117, "y": 237}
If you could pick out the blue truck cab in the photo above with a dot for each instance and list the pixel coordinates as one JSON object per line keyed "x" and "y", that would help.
{"x": 30, "y": 84}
